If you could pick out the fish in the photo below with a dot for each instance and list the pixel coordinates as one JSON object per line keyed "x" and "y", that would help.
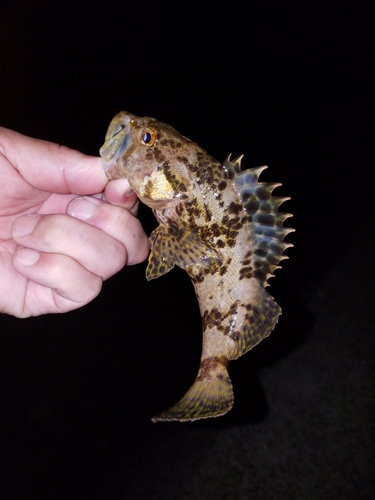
{"x": 218, "y": 223}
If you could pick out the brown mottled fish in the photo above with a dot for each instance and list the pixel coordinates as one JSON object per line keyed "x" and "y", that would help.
{"x": 219, "y": 224}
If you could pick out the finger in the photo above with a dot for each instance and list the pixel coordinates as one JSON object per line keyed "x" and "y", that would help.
{"x": 116, "y": 222}
{"x": 70, "y": 283}
{"x": 52, "y": 167}
{"x": 95, "y": 250}
{"x": 119, "y": 192}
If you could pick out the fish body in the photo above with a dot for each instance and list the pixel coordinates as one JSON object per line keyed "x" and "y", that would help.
{"x": 218, "y": 223}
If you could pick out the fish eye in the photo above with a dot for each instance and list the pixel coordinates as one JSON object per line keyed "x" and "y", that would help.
{"x": 148, "y": 137}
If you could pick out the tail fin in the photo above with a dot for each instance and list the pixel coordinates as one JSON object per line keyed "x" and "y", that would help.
{"x": 210, "y": 396}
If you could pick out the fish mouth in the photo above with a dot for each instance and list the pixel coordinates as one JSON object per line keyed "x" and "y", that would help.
{"x": 113, "y": 150}
{"x": 110, "y": 169}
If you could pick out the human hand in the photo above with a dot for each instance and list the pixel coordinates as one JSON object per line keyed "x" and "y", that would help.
{"x": 57, "y": 247}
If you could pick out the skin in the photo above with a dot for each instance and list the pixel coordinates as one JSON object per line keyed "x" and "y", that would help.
{"x": 63, "y": 227}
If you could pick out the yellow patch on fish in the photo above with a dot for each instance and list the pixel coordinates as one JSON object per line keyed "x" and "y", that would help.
{"x": 156, "y": 187}
{"x": 218, "y": 223}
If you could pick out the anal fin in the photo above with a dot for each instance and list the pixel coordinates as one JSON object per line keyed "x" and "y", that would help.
{"x": 260, "y": 319}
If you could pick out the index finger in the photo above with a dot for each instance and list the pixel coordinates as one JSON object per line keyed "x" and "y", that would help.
{"x": 52, "y": 167}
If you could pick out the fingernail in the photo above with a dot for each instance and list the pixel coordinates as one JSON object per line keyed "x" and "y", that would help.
{"x": 25, "y": 224}
{"x": 83, "y": 208}
{"x": 26, "y": 257}
{"x": 129, "y": 192}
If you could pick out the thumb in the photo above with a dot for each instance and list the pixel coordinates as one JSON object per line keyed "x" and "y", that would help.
{"x": 52, "y": 167}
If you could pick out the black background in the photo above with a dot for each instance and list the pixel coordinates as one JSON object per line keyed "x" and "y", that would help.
{"x": 289, "y": 85}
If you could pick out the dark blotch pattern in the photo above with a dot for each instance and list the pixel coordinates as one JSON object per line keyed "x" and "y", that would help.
{"x": 208, "y": 365}
{"x": 177, "y": 185}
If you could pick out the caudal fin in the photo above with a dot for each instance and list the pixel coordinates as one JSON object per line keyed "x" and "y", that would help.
{"x": 210, "y": 396}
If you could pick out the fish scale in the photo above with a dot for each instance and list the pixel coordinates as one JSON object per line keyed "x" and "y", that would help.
{"x": 218, "y": 223}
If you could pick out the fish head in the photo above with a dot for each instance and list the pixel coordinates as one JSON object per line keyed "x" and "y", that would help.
{"x": 146, "y": 151}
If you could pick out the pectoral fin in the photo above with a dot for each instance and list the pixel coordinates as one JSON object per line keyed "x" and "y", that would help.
{"x": 178, "y": 244}
{"x": 157, "y": 266}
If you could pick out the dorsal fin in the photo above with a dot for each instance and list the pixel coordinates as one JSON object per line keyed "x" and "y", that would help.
{"x": 267, "y": 230}
{"x": 232, "y": 167}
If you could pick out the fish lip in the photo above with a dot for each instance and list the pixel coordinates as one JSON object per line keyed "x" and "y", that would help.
{"x": 112, "y": 152}
{"x": 110, "y": 169}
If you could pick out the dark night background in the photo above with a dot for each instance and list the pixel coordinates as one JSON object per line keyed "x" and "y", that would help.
{"x": 290, "y": 86}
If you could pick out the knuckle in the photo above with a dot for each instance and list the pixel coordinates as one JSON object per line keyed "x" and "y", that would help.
{"x": 89, "y": 289}
{"x": 116, "y": 257}
{"x": 52, "y": 229}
